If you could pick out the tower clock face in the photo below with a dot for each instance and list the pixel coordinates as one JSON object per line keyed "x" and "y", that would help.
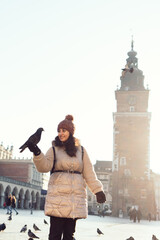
{"x": 132, "y": 100}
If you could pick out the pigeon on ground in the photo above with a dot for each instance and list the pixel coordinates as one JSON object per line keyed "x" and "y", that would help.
{"x": 31, "y": 234}
{"x": 10, "y": 217}
{"x": 35, "y": 138}
{"x": 154, "y": 237}
{"x": 45, "y": 221}
{"x": 36, "y": 228}
{"x": 2, "y": 227}
{"x": 130, "y": 238}
{"x": 24, "y": 229}
{"x": 30, "y": 238}
{"x": 99, "y": 231}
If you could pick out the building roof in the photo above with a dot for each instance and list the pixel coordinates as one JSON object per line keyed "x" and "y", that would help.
{"x": 102, "y": 165}
{"x": 16, "y": 160}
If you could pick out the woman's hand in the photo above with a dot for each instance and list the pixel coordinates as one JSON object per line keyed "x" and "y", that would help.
{"x": 101, "y": 198}
{"x": 34, "y": 148}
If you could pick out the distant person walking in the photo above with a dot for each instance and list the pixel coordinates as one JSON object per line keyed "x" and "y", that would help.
{"x": 130, "y": 214}
{"x": 149, "y": 217}
{"x": 4, "y": 205}
{"x": 8, "y": 203}
{"x": 31, "y": 207}
{"x": 134, "y": 214}
{"x": 13, "y": 204}
{"x": 139, "y": 215}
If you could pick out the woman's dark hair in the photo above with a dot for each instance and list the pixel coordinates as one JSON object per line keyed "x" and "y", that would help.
{"x": 70, "y": 147}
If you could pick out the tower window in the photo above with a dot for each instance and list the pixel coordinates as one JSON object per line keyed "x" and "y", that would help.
{"x": 143, "y": 193}
{"x": 126, "y": 192}
{"x": 120, "y": 191}
{"x": 122, "y": 161}
{"x": 127, "y": 172}
{"x": 131, "y": 108}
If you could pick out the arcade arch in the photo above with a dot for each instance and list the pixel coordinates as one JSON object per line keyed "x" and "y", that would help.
{"x": 7, "y": 191}
{"x": 20, "y": 203}
{"x": 1, "y": 194}
{"x": 24, "y": 195}
{"x": 27, "y": 199}
{"x": 15, "y": 192}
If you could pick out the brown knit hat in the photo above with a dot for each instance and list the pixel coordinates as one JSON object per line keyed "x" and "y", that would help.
{"x": 67, "y": 124}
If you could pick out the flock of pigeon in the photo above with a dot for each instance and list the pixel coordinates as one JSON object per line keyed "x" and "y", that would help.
{"x": 31, "y": 235}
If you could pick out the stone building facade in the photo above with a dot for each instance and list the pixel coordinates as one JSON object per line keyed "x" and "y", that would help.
{"x": 132, "y": 185}
{"x": 103, "y": 171}
{"x": 19, "y": 177}
{"x": 26, "y": 194}
{"x": 156, "y": 180}
{"x": 6, "y": 153}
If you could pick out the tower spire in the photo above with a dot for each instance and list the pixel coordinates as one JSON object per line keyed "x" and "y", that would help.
{"x": 132, "y": 78}
{"x": 132, "y": 43}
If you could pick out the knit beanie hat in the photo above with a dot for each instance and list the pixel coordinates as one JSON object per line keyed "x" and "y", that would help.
{"x": 67, "y": 124}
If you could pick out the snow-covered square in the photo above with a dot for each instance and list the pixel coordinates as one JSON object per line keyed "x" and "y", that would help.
{"x": 113, "y": 228}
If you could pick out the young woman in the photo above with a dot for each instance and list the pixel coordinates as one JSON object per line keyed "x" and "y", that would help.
{"x": 66, "y": 199}
{"x": 13, "y": 204}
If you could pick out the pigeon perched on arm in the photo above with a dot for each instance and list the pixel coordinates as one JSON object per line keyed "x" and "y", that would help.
{"x": 32, "y": 141}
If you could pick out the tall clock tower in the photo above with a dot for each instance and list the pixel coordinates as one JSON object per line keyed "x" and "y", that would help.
{"x": 132, "y": 186}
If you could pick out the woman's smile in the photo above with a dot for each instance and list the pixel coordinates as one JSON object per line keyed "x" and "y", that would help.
{"x": 63, "y": 134}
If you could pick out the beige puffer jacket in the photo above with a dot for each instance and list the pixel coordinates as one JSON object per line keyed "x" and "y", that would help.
{"x": 66, "y": 195}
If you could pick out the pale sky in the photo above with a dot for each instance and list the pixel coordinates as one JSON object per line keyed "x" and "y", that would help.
{"x": 65, "y": 57}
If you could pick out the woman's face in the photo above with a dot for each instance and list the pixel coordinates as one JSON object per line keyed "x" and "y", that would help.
{"x": 63, "y": 134}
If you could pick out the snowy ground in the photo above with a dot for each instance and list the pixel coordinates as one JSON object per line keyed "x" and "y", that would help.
{"x": 113, "y": 228}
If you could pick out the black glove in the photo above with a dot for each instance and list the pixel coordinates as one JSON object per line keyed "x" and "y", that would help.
{"x": 101, "y": 198}
{"x": 34, "y": 148}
